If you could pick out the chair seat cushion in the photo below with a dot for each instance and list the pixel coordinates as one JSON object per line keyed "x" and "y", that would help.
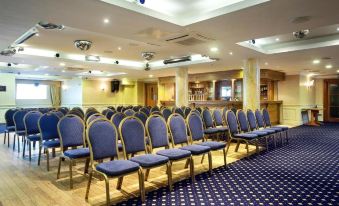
{"x": 117, "y": 167}
{"x": 22, "y": 132}
{"x": 276, "y": 129}
{"x": 33, "y": 138}
{"x": 222, "y": 128}
{"x": 281, "y": 127}
{"x": 247, "y": 136}
{"x": 149, "y": 160}
{"x": 174, "y": 154}
{"x": 196, "y": 149}
{"x": 77, "y": 153}
{"x": 10, "y": 129}
{"x": 51, "y": 143}
{"x": 214, "y": 145}
{"x": 211, "y": 131}
{"x": 268, "y": 131}
{"x": 259, "y": 133}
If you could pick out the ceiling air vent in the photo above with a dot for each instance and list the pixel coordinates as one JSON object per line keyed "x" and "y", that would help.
{"x": 190, "y": 39}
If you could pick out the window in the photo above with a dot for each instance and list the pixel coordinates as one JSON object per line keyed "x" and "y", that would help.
{"x": 225, "y": 91}
{"x": 31, "y": 91}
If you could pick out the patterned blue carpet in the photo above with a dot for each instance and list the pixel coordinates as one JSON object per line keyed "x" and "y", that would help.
{"x": 305, "y": 172}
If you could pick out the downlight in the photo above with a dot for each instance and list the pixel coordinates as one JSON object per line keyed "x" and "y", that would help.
{"x": 83, "y": 45}
{"x": 48, "y": 25}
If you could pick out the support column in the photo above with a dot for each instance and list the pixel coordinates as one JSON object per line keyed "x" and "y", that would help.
{"x": 233, "y": 90}
{"x": 251, "y": 84}
{"x": 213, "y": 89}
{"x": 181, "y": 87}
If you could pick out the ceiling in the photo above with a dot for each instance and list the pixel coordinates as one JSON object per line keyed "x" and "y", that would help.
{"x": 127, "y": 33}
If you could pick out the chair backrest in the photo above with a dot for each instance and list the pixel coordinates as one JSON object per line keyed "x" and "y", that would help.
{"x": 104, "y": 112}
{"x": 195, "y": 126}
{"x": 71, "y": 129}
{"x": 136, "y": 108}
{"x": 102, "y": 137}
{"x": 90, "y": 112}
{"x": 196, "y": 111}
{"x": 64, "y": 110}
{"x": 234, "y": 110}
{"x": 48, "y": 124}
{"x": 217, "y": 116}
{"x": 9, "y": 117}
{"x": 260, "y": 119}
{"x": 156, "y": 112}
{"x": 77, "y": 113}
{"x": 58, "y": 113}
{"x": 251, "y": 120}
{"x": 79, "y": 109}
{"x": 157, "y": 131}
{"x": 94, "y": 117}
{"x": 199, "y": 109}
{"x": 45, "y": 110}
{"x": 231, "y": 121}
{"x": 242, "y": 120}
{"x": 129, "y": 112}
{"x": 111, "y": 108}
{"x": 178, "y": 110}
{"x": 18, "y": 119}
{"x": 166, "y": 113}
{"x": 207, "y": 118}
{"x": 187, "y": 111}
{"x": 110, "y": 113}
{"x": 266, "y": 117}
{"x": 31, "y": 120}
{"x": 177, "y": 128}
{"x": 155, "y": 108}
{"x": 142, "y": 116}
{"x": 120, "y": 108}
{"x": 132, "y": 133}
{"x": 117, "y": 118}
{"x": 145, "y": 110}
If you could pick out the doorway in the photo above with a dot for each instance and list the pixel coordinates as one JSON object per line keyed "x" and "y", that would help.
{"x": 331, "y": 100}
{"x": 151, "y": 94}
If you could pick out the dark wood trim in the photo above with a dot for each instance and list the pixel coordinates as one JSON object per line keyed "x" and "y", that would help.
{"x": 327, "y": 117}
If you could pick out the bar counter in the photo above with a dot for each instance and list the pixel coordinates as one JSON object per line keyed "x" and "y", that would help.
{"x": 273, "y": 107}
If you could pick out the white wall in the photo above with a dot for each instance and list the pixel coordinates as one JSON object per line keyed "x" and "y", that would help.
{"x": 71, "y": 93}
{"x": 7, "y": 99}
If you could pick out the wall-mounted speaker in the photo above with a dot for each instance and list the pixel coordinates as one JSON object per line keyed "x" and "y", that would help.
{"x": 115, "y": 85}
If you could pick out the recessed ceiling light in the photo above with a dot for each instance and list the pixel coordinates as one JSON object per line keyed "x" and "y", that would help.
{"x": 214, "y": 49}
{"x": 338, "y": 29}
{"x": 62, "y": 64}
{"x": 63, "y": 71}
{"x": 266, "y": 63}
{"x": 106, "y": 21}
{"x": 119, "y": 48}
{"x": 277, "y": 39}
{"x": 231, "y": 53}
{"x": 316, "y": 61}
{"x": 37, "y": 34}
{"x": 338, "y": 70}
{"x": 46, "y": 74}
{"x": 329, "y": 66}
{"x": 150, "y": 76}
{"x": 36, "y": 69}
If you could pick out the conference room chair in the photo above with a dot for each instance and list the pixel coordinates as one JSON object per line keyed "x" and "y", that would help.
{"x": 104, "y": 112}
{"x": 234, "y": 133}
{"x": 90, "y": 112}
{"x": 102, "y": 138}
{"x": 111, "y": 108}
{"x": 145, "y": 110}
{"x": 196, "y": 128}
{"x": 76, "y": 112}
{"x": 64, "y": 110}
{"x": 93, "y": 117}
{"x": 49, "y": 137}
{"x": 120, "y": 108}
{"x": 155, "y": 108}
{"x": 10, "y": 126}
{"x": 58, "y": 113}
{"x": 178, "y": 110}
{"x": 157, "y": 131}
{"x": 244, "y": 127}
{"x": 116, "y": 120}
{"x": 187, "y": 111}
{"x": 110, "y": 113}
{"x": 252, "y": 122}
{"x": 234, "y": 109}
{"x": 142, "y": 116}
{"x": 267, "y": 120}
{"x": 132, "y": 133}
{"x": 209, "y": 127}
{"x": 32, "y": 133}
{"x": 136, "y": 108}
{"x": 19, "y": 124}
{"x": 129, "y": 112}
{"x": 71, "y": 130}
{"x": 219, "y": 123}
{"x": 166, "y": 112}
{"x": 199, "y": 109}
{"x": 178, "y": 134}
{"x": 156, "y": 112}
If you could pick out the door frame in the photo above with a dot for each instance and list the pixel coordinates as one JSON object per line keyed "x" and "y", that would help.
{"x": 326, "y": 100}
{"x": 146, "y": 92}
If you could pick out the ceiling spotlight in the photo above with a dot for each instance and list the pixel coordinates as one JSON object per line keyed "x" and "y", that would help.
{"x": 266, "y": 63}
{"x": 301, "y": 34}
{"x": 62, "y": 64}
{"x": 83, "y": 45}
{"x": 148, "y": 55}
{"x": 277, "y": 39}
{"x": 119, "y": 48}
{"x": 214, "y": 49}
{"x": 48, "y": 25}
{"x": 106, "y": 21}
{"x": 37, "y": 34}
{"x": 329, "y": 66}
{"x": 230, "y": 53}
{"x": 316, "y": 61}
{"x": 150, "y": 76}
{"x": 63, "y": 71}
{"x": 46, "y": 74}
{"x": 338, "y": 29}
{"x": 338, "y": 70}
{"x": 92, "y": 58}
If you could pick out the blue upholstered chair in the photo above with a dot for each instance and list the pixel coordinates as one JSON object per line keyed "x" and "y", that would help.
{"x": 58, "y": 113}
{"x": 142, "y": 116}
{"x": 120, "y": 108}
{"x": 132, "y": 133}
{"x": 178, "y": 131}
{"x": 155, "y": 108}
{"x": 209, "y": 128}
{"x": 93, "y": 117}
{"x": 110, "y": 113}
{"x": 196, "y": 111}
{"x": 196, "y": 128}
{"x": 64, "y": 110}
{"x": 31, "y": 120}
{"x": 10, "y": 126}
{"x": 129, "y": 112}
{"x": 244, "y": 127}
{"x": 104, "y": 112}
{"x": 136, "y": 108}
{"x": 235, "y": 134}
{"x": 267, "y": 120}
{"x": 158, "y": 132}
{"x": 261, "y": 125}
{"x": 199, "y": 109}
{"x": 77, "y": 113}
{"x": 102, "y": 137}
{"x": 19, "y": 124}
{"x": 71, "y": 129}
{"x": 80, "y": 110}
{"x": 156, "y": 113}
{"x": 49, "y": 134}
{"x": 111, "y": 108}
{"x": 90, "y": 112}
{"x": 145, "y": 110}
{"x": 178, "y": 110}
{"x": 187, "y": 111}
{"x": 117, "y": 118}
{"x": 219, "y": 122}
{"x": 166, "y": 113}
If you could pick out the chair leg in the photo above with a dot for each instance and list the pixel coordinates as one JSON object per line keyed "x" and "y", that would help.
{"x": 14, "y": 142}
{"x": 47, "y": 155}
{"x": 24, "y": 148}
{"x": 257, "y": 146}
{"x": 286, "y": 136}
{"x": 5, "y": 137}
{"x": 8, "y": 139}
{"x": 169, "y": 174}
{"x": 186, "y": 164}
{"x": 141, "y": 185}
{"x": 237, "y": 147}
{"x": 53, "y": 152}
{"x": 70, "y": 174}
{"x": 210, "y": 162}
{"x": 147, "y": 174}
{"x": 275, "y": 142}
{"x": 18, "y": 144}
{"x": 107, "y": 190}
{"x": 225, "y": 154}
{"x": 40, "y": 147}
{"x": 266, "y": 140}
{"x": 86, "y": 165}
{"x": 192, "y": 168}
{"x": 202, "y": 158}
{"x": 59, "y": 167}
{"x": 119, "y": 184}
{"x": 30, "y": 151}
{"x": 88, "y": 184}
{"x": 247, "y": 149}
